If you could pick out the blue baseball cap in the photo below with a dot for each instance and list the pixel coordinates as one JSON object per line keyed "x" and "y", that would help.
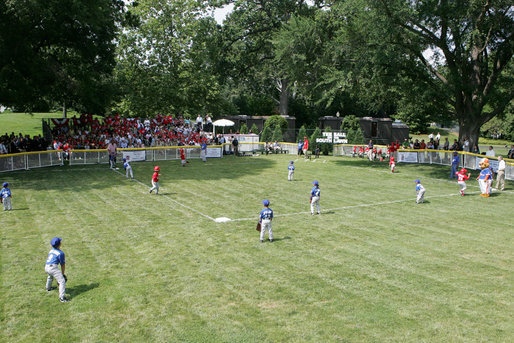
{"x": 265, "y": 202}
{"x": 291, "y": 162}
{"x": 124, "y": 160}
{"x": 417, "y": 181}
{"x": 315, "y": 183}
{"x": 55, "y": 241}
{"x": 6, "y": 184}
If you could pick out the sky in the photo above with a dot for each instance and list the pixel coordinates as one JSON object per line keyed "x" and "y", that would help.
{"x": 220, "y": 13}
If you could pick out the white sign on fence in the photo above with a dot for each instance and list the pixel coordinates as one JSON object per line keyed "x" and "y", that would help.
{"x": 213, "y": 152}
{"x": 333, "y": 137}
{"x": 407, "y": 157}
{"x": 136, "y": 155}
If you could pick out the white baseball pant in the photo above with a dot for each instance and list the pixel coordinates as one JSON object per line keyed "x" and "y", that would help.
{"x": 315, "y": 202}
{"x": 53, "y": 271}
{"x": 266, "y": 225}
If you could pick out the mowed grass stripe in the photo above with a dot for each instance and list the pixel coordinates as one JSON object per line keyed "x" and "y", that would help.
{"x": 394, "y": 272}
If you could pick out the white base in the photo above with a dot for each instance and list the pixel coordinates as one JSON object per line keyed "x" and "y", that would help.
{"x": 222, "y": 220}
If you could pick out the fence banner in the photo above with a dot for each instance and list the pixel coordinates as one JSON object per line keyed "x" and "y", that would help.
{"x": 213, "y": 152}
{"x": 407, "y": 157}
{"x": 135, "y": 155}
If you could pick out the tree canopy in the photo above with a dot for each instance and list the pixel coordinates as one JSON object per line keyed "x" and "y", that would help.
{"x": 418, "y": 61}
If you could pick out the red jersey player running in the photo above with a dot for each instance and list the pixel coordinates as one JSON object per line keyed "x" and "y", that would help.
{"x": 461, "y": 179}
{"x": 392, "y": 164}
{"x": 155, "y": 180}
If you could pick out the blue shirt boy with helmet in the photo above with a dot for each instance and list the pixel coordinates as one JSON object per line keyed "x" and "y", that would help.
{"x": 203, "y": 151}
{"x": 315, "y": 195}
{"x": 265, "y": 218}
{"x": 55, "y": 258}
{"x": 128, "y": 168}
{"x": 455, "y": 164}
{"x": 6, "y": 196}
{"x": 291, "y": 171}
{"x": 420, "y": 191}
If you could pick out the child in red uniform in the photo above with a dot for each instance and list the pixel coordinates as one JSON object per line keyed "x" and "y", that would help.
{"x": 461, "y": 179}
{"x": 392, "y": 164}
{"x": 155, "y": 180}
{"x": 183, "y": 157}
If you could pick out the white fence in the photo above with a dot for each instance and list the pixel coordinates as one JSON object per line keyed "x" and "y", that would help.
{"x": 442, "y": 157}
{"x": 30, "y": 160}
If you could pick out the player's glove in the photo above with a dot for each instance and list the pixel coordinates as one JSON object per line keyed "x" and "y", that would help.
{"x": 258, "y": 228}
{"x": 65, "y": 278}
{"x": 310, "y": 200}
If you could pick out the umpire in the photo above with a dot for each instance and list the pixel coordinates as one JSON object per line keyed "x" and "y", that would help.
{"x": 56, "y": 257}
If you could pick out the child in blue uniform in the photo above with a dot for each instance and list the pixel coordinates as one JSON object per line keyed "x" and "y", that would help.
{"x": 315, "y": 193}
{"x": 56, "y": 257}
{"x": 128, "y": 168}
{"x": 291, "y": 171}
{"x": 420, "y": 191}
{"x": 6, "y": 196}
{"x": 265, "y": 218}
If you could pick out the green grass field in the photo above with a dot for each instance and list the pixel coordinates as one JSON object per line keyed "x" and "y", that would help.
{"x": 373, "y": 267}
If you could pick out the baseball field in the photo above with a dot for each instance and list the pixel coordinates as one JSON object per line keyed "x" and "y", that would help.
{"x": 373, "y": 267}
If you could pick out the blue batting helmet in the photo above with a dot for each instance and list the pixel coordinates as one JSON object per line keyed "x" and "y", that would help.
{"x": 417, "y": 181}
{"x": 315, "y": 183}
{"x": 291, "y": 162}
{"x": 265, "y": 202}
{"x": 55, "y": 242}
{"x": 124, "y": 160}
{"x": 6, "y": 184}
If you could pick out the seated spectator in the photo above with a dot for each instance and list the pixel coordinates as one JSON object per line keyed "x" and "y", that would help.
{"x": 490, "y": 152}
{"x": 511, "y": 152}
{"x": 276, "y": 147}
{"x": 417, "y": 145}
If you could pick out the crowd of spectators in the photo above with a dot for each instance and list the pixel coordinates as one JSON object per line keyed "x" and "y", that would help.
{"x": 88, "y": 132}
{"x": 12, "y": 143}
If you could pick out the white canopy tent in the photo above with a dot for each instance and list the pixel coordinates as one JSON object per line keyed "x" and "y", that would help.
{"x": 222, "y": 123}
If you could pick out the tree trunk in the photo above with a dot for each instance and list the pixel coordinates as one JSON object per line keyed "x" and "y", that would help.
{"x": 470, "y": 129}
{"x": 64, "y": 109}
{"x": 284, "y": 97}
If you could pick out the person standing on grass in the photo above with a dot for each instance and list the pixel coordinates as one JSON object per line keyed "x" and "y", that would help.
{"x": 56, "y": 257}
{"x": 500, "y": 177}
{"x": 112, "y": 148}
{"x": 6, "y": 196}
{"x": 127, "y": 167}
{"x": 305, "y": 146}
{"x": 265, "y": 218}
{"x": 235, "y": 145}
{"x": 291, "y": 171}
{"x": 203, "y": 151}
{"x": 315, "y": 195}
{"x": 455, "y": 164}
{"x": 461, "y": 180}
{"x": 420, "y": 192}
{"x": 155, "y": 180}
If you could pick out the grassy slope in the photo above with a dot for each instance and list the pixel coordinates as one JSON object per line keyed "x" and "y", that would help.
{"x": 27, "y": 124}
{"x": 143, "y": 268}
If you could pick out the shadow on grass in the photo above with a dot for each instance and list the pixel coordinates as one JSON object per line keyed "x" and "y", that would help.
{"x": 20, "y": 209}
{"x": 436, "y": 171}
{"x": 275, "y": 239}
{"x": 99, "y": 176}
{"x": 77, "y": 290}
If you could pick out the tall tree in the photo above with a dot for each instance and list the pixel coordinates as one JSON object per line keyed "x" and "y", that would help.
{"x": 249, "y": 52}
{"x": 459, "y": 51}
{"x": 164, "y": 62}
{"x": 57, "y": 51}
